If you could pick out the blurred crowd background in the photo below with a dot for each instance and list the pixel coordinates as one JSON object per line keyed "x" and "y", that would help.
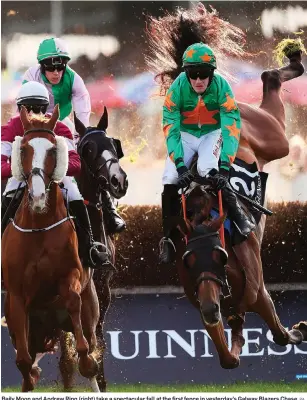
{"x": 107, "y": 43}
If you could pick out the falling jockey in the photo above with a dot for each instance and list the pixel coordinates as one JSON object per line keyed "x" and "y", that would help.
{"x": 200, "y": 116}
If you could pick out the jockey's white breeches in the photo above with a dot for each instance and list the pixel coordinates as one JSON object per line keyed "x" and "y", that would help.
{"x": 70, "y": 188}
{"x": 208, "y": 148}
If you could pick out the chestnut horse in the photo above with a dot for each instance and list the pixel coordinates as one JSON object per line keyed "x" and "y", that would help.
{"x": 100, "y": 170}
{"x": 262, "y": 140}
{"x": 47, "y": 287}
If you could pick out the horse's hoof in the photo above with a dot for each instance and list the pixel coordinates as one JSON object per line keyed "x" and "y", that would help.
{"x": 282, "y": 340}
{"x": 35, "y": 373}
{"x": 230, "y": 363}
{"x": 27, "y": 386}
{"x": 88, "y": 366}
{"x": 295, "y": 336}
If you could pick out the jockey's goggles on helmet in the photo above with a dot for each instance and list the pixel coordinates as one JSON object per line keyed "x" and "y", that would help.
{"x": 35, "y": 105}
{"x": 52, "y": 68}
{"x": 201, "y": 72}
{"x": 54, "y": 63}
{"x": 36, "y": 109}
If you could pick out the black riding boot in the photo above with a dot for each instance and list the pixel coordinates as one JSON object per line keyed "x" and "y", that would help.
{"x": 88, "y": 252}
{"x": 170, "y": 210}
{"x": 8, "y": 210}
{"x": 114, "y": 222}
{"x": 243, "y": 224}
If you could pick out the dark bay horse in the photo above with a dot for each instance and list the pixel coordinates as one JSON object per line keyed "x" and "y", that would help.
{"x": 263, "y": 139}
{"x": 47, "y": 288}
{"x": 100, "y": 170}
{"x": 207, "y": 272}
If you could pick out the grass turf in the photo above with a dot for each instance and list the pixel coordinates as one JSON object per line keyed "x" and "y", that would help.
{"x": 143, "y": 387}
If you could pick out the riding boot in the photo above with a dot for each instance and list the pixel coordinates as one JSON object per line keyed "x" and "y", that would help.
{"x": 114, "y": 222}
{"x": 236, "y": 213}
{"x": 88, "y": 252}
{"x": 170, "y": 210}
{"x": 8, "y": 210}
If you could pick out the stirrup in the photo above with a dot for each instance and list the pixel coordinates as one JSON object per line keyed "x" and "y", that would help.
{"x": 168, "y": 240}
{"x": 170, "y": 252}
{"x": 94, "y": 246}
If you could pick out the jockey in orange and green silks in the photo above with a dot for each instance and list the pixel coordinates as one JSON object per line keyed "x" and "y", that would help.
{"x": 200, "y": 116}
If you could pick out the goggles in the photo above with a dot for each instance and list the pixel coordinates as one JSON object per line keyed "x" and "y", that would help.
{"x": 52, "y": 68}
{"x": 198, "y": 72}
{"x": 36, "y": 109}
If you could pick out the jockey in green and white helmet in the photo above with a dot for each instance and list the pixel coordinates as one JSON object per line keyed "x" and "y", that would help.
{"x": 64, "y": 85}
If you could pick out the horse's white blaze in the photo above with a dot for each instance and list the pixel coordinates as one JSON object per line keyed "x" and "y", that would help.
{"x": 114, "y": 166}
{"x": 40, "y": 147}
{"x": 94, "y": 385}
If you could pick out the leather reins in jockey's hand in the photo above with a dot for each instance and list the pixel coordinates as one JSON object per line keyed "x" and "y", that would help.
{"x": 204, "y": 181}
{"x": 221, "y": 212}
{"x": 184, "y": 209}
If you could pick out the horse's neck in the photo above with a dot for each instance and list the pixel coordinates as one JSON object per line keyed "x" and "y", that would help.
{"x": 56, "y": 211}
{"x": 87, "y": 185}
{"x": 88, "y": 190}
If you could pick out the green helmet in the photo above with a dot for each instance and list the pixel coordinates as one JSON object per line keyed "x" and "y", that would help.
{"x": 53, "y": 47}
{"x": 199, "y": 53}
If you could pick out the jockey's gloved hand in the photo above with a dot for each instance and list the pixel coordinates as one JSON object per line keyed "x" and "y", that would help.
{"x": 185, "y": 177}
{"x": 220, "y": 179}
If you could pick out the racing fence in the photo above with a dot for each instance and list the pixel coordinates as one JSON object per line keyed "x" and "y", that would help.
{"x": 284, "y": 248}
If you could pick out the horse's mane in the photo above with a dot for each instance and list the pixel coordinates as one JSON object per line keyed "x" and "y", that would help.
{"x": 170, "y": 35}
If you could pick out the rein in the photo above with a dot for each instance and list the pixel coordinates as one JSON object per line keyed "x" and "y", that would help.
{"x": 47, "y": 228}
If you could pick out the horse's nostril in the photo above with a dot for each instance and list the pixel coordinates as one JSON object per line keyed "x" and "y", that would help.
{"x": 114, "y": 181}
{"x": 126, "y": 184}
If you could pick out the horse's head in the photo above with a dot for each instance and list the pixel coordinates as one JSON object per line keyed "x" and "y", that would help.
{"x": 205, "y": 258}
{"x": 101, "y": 155}
{"x": 39, "y": 157}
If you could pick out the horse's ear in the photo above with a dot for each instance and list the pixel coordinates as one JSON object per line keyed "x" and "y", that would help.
{"x": 24, "y": 118}
{"x": 103, "y": 123}
{"x": 54, "y": 117}
{"x": 79, "y": 126}
{"x": 217, "y": 223}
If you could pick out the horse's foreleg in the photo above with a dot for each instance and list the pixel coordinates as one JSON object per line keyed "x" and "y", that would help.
{"x": 90, "y": 318}
{"x": 19, "y": 326}
{"x": 237, "y": 340}
{"x": 217, "y": 334}
{"x": 69, "y": 290}
{"x": 68, "y": 360}
{"x": 264, "y": 306}
{"x": 105, "y": 301}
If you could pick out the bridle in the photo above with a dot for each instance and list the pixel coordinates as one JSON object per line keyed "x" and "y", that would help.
{"x": 95, "y": 174}
{"x": 38, "y": 171}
